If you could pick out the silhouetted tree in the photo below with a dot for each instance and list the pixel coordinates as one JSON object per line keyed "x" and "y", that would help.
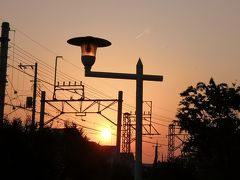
{"x": 210, "y": 114}
{"x": 51, "y": 154}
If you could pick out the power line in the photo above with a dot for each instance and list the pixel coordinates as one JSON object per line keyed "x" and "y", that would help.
{"x": 45, "y": 72}
{"x": 88, "y": 86}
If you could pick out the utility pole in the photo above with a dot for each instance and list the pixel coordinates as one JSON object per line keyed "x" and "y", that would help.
{"x": 175, "y": 140}
{"x": 42, "y": 110}
{"x": 156, "y": 156}
{"x": 139, "y": 102}
{"x": 171, "y": 141}
{"x": 35, "y": 67}
{"x": 34, "y": 97}
{"x": 3, "y": 66}
{"x": 119, "y": 122}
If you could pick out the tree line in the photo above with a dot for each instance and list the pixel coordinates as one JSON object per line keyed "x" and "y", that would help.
{"x": 209, "y": 113}
{"x": 54, "y": 154}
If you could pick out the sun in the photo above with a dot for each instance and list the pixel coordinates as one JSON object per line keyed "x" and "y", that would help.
{"x": 106, "y": 134}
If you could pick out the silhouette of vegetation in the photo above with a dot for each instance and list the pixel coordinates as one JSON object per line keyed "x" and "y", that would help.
{"x": 210, "y": 114}
{"x": 54, "y": 154}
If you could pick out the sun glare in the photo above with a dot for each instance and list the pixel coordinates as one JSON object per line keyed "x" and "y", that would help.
{"x": 106, "y": 134}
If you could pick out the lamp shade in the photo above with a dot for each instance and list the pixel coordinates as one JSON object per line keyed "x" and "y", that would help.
{"x": 89, "y": 47}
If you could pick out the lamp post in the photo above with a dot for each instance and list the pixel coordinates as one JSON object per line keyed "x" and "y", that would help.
{"x": 89, "y": 47}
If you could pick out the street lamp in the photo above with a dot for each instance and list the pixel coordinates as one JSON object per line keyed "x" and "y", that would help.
{"x": 89, "y": 47}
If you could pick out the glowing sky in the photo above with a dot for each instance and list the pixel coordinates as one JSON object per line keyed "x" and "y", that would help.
{"x": 186, "y": 41}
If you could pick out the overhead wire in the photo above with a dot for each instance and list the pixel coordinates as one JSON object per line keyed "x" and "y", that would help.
{"x": 46, "y": 72}
{"x": 93, "y": 89}
{"x": 45, "y": 76}
{"x": 73, "y": 65}
{"x": 62, "y": 74}
{"x": 32, "y": 76}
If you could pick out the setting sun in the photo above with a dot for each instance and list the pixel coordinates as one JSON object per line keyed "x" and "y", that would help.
{"x": 106, "y": 134}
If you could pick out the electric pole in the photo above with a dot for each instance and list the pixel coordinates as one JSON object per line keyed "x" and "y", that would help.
{"x": 34, "y": 97}
{"x": 35, "y": 67}
{"x": 156, "y": 156}
{"x": 42, "y": 110}
{"x": 3, "y": 66}
{"x": 119, "y": 123}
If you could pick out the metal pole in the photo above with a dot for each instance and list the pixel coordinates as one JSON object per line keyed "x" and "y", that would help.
{"x": 156, "y": 156}
{"x": 55, "y": 76}
{"x": 3, "y": 66}
{"x": 139, "y": 77}
{"x": 139, "y": 100}
{"x": 34, "y": 96}
{"x": 145, "y": 77}
{"x": 119, "y": 122}
{"x": 42, "y": 110}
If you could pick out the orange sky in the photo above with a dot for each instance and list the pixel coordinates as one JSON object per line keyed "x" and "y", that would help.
{"x": 186, "y": 41}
